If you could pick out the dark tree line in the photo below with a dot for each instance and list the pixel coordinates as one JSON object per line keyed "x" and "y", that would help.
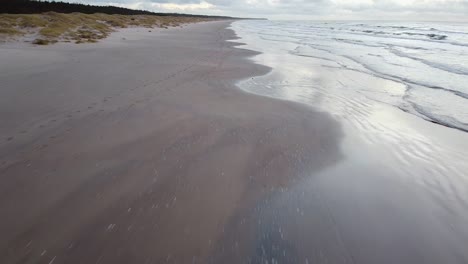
{"x": 36, "y": 7}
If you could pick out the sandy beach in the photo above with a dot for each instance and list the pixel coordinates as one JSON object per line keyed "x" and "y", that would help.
{"x": 234, "y": 142}
{"x": 141, "y": 149}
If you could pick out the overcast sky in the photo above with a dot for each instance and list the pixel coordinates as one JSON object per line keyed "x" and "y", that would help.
{"x": 307, "y": 9}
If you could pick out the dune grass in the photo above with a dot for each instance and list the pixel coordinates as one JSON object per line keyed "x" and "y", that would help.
{"x": 9, "y": 31}
{"x": 54, "y": 27}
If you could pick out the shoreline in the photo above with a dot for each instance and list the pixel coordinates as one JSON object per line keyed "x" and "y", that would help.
{"x": 401, "y": 179}
{"x": 143, "y": 149}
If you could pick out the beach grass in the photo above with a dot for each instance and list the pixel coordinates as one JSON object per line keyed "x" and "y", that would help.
{"x": 52, "y": 27}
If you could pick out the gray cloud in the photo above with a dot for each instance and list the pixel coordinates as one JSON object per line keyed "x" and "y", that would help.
{"x": 308, "y": 9}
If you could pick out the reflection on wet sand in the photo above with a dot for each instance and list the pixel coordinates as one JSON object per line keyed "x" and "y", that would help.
{"x": 399, "y": 193}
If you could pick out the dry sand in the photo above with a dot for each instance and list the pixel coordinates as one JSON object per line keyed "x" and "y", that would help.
{"x": 141, "y": 149}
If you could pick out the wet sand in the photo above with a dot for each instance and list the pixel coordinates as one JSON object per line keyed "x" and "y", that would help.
{"x": 141, "y": 149}
{"x": 399, "y": 192}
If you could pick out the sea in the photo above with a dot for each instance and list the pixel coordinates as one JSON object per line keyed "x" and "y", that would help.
{"x": 399, "y": 91}
{"x": 423, "y": 66}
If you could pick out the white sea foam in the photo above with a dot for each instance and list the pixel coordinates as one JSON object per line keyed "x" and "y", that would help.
{"x": 429, "y": 59}
{"x": 399, "y": 90}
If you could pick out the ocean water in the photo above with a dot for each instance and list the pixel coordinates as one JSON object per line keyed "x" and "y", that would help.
{"x": 400, "y": 93}
{"x": 426, "y": 64}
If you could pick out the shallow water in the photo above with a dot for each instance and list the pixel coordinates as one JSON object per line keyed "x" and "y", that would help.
{"x": 425, "y": 63}
{"x": 400, "y": 194}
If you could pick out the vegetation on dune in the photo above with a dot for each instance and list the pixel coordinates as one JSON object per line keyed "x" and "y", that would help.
{"x": 42, "y": 6}
{"x": 79, "y": 27}
{"x": 60, "y": 21}
{"x": 9, "y": 31}
{"x": 41, "y": 41}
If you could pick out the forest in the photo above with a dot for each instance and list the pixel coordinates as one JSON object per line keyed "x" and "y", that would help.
{"x": 37, "y": 7}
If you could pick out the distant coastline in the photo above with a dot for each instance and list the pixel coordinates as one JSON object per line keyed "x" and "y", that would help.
{"x": 38, "y": 7}
{"x": 43, "y": 23}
